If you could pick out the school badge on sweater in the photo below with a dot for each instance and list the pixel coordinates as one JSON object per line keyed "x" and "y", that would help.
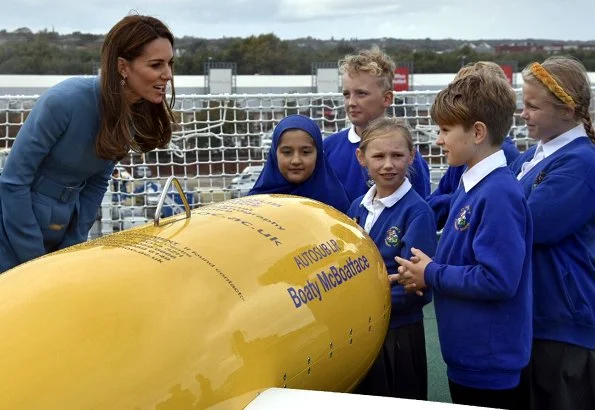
{"x": 538, "y": 180}
{"x": 393, "y": 236}
{"x": 462, "y": 221}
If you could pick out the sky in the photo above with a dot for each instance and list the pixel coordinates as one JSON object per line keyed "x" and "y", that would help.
{"x": 322, "y": 19}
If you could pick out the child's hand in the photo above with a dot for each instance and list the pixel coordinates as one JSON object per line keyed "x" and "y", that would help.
{"x": 418, "y": 257}
{"x": 411, "y": 272}
{"x": 400, "y": 278}
{"x": 393, "y": 279}
{"x": 404, "y": 279}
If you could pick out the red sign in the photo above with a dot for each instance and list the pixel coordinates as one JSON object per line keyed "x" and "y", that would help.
{"x": 508, "y": 72}
{"x": 401, "y": 81}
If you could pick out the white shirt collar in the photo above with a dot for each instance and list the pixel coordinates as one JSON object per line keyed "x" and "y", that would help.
{"x": 560, "y": 141}
{"x": 352, "y": 135}
{"x": 473, "y": 176}
{"x": 387, "y": 201}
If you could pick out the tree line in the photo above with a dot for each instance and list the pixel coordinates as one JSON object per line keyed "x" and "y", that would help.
{"x": 44, "y": 52}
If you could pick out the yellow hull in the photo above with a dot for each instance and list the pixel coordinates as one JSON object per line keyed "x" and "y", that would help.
{"x": 203, "y": 312}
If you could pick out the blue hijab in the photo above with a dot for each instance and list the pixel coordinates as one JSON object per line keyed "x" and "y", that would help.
{"x": 323, "y": 185}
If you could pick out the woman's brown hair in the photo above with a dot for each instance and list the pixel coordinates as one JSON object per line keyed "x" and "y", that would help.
{"x": 142, "y": 126}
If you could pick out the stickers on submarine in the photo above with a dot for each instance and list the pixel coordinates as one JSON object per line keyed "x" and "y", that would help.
{"x": 203, "y": 310}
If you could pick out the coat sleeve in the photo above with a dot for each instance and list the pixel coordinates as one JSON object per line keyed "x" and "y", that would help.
{"x": 43, "y": 127}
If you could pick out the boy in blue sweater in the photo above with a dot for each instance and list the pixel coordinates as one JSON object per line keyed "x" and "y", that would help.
{"x": 397, "y": 219}
{"x": 481, "y": 274}
{"x": 439, "y": 200}
{"x": 558, "y": 179}
{"x": 367, "y": 92}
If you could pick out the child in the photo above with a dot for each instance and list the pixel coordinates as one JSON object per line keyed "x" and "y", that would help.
{"x": 368, "y": 92}
{"x": 558, "y": 178}
{"x": 439, "y": 200}
{"x": 297, "y": 166}
{"x": 397, "y": 218}
{"x": 481, "y": 274}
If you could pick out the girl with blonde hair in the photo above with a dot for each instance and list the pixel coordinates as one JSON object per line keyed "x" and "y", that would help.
{"x": 558, "y": 179}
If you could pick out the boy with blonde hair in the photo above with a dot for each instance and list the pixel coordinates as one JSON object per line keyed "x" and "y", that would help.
{"x": 367, "y": 92}
{"x": 481, "y": 274}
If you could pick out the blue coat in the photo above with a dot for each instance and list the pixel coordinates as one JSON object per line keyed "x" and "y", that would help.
{"x": 53, "y": 182}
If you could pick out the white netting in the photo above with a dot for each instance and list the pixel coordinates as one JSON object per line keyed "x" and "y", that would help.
{"x": 219, "y": 137}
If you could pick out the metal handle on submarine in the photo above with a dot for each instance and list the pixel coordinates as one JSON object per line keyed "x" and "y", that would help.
{"x": 163, "y": 197}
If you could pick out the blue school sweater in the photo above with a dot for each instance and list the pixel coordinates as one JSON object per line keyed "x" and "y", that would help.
{"x": 439, "y": 200}
{"x": 408, "y": 223}
{"x": 341, "y": 154}
{"x": 561, "y": 194}
{"x": 481, "y": 282}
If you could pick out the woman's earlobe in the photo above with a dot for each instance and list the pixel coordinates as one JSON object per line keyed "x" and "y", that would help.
{"x": 122, "y": 67}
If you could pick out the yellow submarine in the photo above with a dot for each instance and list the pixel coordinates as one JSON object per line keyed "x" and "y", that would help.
{"x": 205, "y": 310}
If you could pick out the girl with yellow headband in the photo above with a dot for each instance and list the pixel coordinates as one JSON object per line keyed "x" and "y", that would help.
{"x": 558, "y": 178}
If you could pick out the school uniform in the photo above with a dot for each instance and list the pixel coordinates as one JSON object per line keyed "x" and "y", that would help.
{"x": 396, "y": 224}
{"x": 53, "y": 181}
{"x": 323, "y": 185}
{"x": 439, "y": 200}
{"x": 340, "y": 148}
{"x": 558, "y": 179}
{"x": 481, "y": 283}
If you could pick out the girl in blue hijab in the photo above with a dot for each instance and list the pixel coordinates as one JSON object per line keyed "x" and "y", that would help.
{"x": 296, "y": 165}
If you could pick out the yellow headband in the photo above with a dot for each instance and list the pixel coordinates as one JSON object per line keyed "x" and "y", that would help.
{"x": 552, "y": 85}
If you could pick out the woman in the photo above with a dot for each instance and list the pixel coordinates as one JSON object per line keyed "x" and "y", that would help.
{"x": 296, "y": 165}
{"x": 63, "y": 156}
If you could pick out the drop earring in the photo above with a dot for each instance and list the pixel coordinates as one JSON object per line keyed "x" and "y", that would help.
{"x": 123, "y": 82}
